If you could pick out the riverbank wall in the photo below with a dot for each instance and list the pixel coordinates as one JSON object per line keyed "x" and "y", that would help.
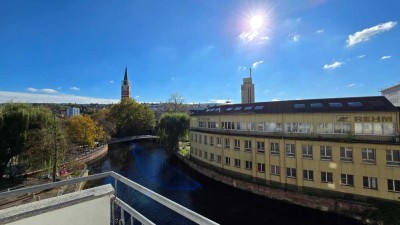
{"x": 99, "y": 152}
{"x": 341, "y": 206}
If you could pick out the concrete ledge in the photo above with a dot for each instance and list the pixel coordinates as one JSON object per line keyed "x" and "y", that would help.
{"x": 35, "y": 208}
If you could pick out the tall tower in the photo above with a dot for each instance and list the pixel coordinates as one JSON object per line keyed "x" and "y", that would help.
{"x": 248, "y": 90}
{"x": 126, "y": 86}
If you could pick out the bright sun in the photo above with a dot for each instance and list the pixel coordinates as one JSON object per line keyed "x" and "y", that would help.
{"x": 256, "y": 22}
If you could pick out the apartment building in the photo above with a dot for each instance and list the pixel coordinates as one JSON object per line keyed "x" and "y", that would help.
{"x": 345, "y": 146}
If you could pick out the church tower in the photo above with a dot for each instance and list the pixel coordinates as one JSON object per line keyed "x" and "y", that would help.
{"x": 248, "y": 90}
{"x": 126, "y": 86}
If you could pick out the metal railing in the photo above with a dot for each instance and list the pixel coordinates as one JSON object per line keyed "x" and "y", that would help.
{"x": 134, "y": 215}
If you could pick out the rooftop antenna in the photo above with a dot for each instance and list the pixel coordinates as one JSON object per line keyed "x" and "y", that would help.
{"x": 250, "y": 71}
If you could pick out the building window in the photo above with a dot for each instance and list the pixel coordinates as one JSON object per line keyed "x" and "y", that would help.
{"x": 261, "y": 167}
{"x": 251, "y": 126}
{"x": 200, "y": 153}
{"x": 202, "y": 124}
{"x": 290, "y": 150}
{"x": 237, "y": 144}
{"x": 393, "y": 157}
{"x": 325, "y": 128}
{"x": 307, "y": 151}
{"x": 346, "y": 154}
{"x": 211, "y": 156}
{"x": 260, "y": 146}
{"x": 393, "y": 185}
{"x": 211, "y": 140}
{"x": 227, "y": 161}
{"x": 227, "y": 143}
{"x": 260, "y": 126}
{"x": 368, "y": 155}
{"x": 247, "y": 145}
{"x": 370, "y": 182}
{"x": 237, "y": 162}
{"x": 291, "y": 172}
{"x": 326, "y": 152}
{"x": 195, "y": 137}
{"x": 298, "y": 128}
{"x": 205, "y": 139}
{"x": 347, "y": 179}
{"x": 249, "y": 165}
{"x": 275, "y": 170}
{"x": 342, "y": 128}
{"x": 273, "y": 127}
{"x": 274, "y": 148}
{"x": 200, "y": 138}
{"x": 308, "y": 175}
{"x": 326, "y": 177}
{"x": 195, "y": 151}
{"x": 205, "y": 155}
{"x": 212, "y": 125}
{"x": 219, "y": 141}
{"x": 219, "y": 158}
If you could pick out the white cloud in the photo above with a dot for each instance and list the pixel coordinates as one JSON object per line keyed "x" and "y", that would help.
{"x": 248, "y": 36}
{"x": 386, "y": 57}
{"x": 111, "y": 81}
{"x": 296, "y": 38}
{"x": 319, "y": 31}
{"x": 264, "y": 38}
{"x": 44, "y": 90}
{"x": 75, "y": 88}
{"x": 32, "y": 89}
{"x": 49, "y": 91}
{"x": 364, "y": 35}
{"x": 241, "y": 68}
{"x": 256, "y": 64}
{"x": 350, "y": 85}
{"x": 137, "y": 96}
{"x": 50, "y": 98}
{"x": 275, "y": 100}
{"x": 333, "y": 65}
{"x": 219, "y": 101}
{"x": 361, "y": 56}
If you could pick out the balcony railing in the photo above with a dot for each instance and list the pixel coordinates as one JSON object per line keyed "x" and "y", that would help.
{"x": 117, "y": 202}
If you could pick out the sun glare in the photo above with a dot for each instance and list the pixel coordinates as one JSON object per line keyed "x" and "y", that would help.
{"x": 256, "y": 22}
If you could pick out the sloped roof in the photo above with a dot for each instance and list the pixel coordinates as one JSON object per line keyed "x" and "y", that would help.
{"x": 327, "y": 105}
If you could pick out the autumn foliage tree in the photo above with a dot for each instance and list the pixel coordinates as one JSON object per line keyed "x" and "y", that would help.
{"x": 84, "y": 131}
{"x": 132, "y": 118}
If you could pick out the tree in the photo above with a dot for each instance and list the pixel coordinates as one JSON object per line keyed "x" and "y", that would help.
{"x": 17, "y": 123}
{"x": 84, "y": 131}
{"x": 172, "y": 128}
{"x": 176, "y": 104}
{"x": 102, "y": 117}
{"x": 132, "y": 118}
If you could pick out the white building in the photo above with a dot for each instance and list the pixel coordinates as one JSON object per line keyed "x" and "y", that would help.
{"x": 248, "y": 90}
{"x": 392, "y": 94}
{"x": 73, "y": 112}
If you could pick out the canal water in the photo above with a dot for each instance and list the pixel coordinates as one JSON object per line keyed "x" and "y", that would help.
{"x": 150, "y": 166}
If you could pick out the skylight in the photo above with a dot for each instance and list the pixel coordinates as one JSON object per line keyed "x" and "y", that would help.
{"x": 299, "y": 106}
{"x": 335, "y": 104}
{"x": 316, "y": 105}
{"x": 248, "y": 107}
{"x": 355, "y": 104}
{"x": 238, "y": 108}
{"x": 229, "y": 109}
{"x": 259, "y": 107}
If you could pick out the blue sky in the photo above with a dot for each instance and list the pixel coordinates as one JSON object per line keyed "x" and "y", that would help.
{"x": 76, "y": 50}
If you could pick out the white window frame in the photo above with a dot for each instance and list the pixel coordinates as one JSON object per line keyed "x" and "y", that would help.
{"x": 324, "y": 150}
{"x": 368, "y": 155}
{"x": 260, "y": 146}
{"x": 370, "y": 182}
{"x": 308, "y": 174}
{"x": 249, "y": 165}
{"x": 247, "y": 145}
{"x": 227, "y": 143}
{"x": 290, "y": 150}
{"x": 395, "y": 184}
{"x": 275, "y": 170}
{"x": 390, "y": 155}
{"x": 219, "y": 141}
{"x": 347, "y": 179}
{"x": 237, "y": 144}
{"x": 237, "y": 163}
{"x": 307, "y": 151}
{"x": 325, "y": 177}
{"x": 291, "y": 172}
{"x": 347, "y": 155}
{"x": 261, "y": 167}
{"x": 227, "y": 161}
{"x": 274, "y": 148}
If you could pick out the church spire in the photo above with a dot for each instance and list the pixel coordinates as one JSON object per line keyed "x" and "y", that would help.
{"x": 250, "y": 72}
{"x": 126, "y": 73}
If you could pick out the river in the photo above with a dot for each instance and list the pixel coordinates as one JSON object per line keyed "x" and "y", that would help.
{"x": 150, "y": 166}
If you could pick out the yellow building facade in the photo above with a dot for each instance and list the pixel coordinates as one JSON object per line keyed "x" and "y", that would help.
{"x": 346, "y": 146}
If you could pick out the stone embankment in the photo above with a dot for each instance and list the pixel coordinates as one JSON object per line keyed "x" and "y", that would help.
{"x": 345, "y": 207}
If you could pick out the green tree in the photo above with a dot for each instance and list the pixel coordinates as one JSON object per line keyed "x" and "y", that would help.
{"x": 131, "y": 118}
{"x": 17, "y": 124}
{"x": 173, "y": 127}
{"x": 84, "y": 131}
